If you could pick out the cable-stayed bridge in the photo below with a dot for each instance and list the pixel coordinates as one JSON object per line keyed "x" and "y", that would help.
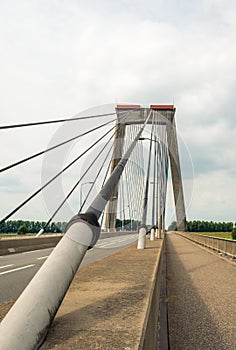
{"x": 111, "y": 138}
{"x": 122, "y": 160}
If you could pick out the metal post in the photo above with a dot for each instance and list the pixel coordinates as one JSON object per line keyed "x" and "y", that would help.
{"x": 159, "y": 225}
{"x": 157, "y": 192}
{"x": 141, "y": 236}
{"x": 152, "y": 233}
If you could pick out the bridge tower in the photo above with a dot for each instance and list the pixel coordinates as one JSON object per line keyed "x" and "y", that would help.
{"x": 164, "y": 115}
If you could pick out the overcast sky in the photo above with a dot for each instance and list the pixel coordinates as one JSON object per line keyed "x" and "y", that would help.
{"x": 61, "y": 57}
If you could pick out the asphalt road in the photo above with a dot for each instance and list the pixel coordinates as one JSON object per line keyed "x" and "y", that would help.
{"x": 17, "y": 270}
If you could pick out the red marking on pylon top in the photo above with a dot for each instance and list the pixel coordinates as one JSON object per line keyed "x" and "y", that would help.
{"x": 161, "y": 107}
{"x": 128, "y": 106}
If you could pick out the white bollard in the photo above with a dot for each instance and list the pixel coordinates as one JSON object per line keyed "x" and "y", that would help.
{"x": 156, "y": 232}
{"x": 152, "y": 234}
{"x": 40, "y": 232}
{"x": 142, "y": 237}
{"x": 159, "y": 232}
{"x": 26, "y": 324}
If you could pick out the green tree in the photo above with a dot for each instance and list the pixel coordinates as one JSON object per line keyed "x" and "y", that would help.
{"x": 118, "y": 223}
{"x": 54, "y": 228}
{"x": 22, "y": 230}
{"x": 172, "y": 226}
{"x": 234, "y": 232}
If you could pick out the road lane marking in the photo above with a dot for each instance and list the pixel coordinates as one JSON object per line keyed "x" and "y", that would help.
{"x": 106, "y": 244}
{"x": 3, "y": 267}
{"x": 114, "y": 241}
{"x": 11, "y": 250}
{"x": 32, "y": 251}
{"x": 17, "y": 269}
{"x": 43, "y": 257}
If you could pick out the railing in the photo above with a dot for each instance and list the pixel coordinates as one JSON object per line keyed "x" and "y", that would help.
{"x": 221, "y": 245}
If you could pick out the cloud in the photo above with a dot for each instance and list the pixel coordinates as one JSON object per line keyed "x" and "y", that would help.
{"x": 213, "y": 197}
{"x": 60, "y": 57}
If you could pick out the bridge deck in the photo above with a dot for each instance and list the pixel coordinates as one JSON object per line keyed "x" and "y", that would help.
{"x": 106, "y": 305}
{"x": 201, "y": 297}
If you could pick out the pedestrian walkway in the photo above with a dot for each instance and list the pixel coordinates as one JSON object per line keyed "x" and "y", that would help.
{"x": 106, "y": 305}
{"x": 201, "y": 297}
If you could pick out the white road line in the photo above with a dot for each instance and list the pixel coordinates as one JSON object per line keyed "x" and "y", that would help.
{"x": 32, "y": 251}
{"x": 115, "y": 241}
{"x": 125, "y": 239}
{"x": 3, "y": 267}
{"x": 106, "y": 244}
{"x": 43, "y": 257}
{"x": 17, "y": 269}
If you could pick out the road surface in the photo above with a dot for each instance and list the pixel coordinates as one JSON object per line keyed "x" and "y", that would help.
{"x": 17, "y": 270}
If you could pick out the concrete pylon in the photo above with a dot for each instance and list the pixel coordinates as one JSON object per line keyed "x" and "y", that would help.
{"x": 126, "y": 115}
{"x": 110, "y": 222}
{"x": 176, "y": 175}
{"x": 137, "y": 115}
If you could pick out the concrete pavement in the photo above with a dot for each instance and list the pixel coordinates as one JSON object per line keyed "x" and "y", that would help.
{"x": 16, "y": 270}
{"x": 201, "y": 297}
{"x": 108, "y": 304}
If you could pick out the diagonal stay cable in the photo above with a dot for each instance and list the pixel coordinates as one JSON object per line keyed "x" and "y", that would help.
{"x": 128, "y": 183}
{"x": 98, "y": 173}
{"x": 3, "y": 127}
{"x": 97, "y": 206}
{"x": 53, "y": 147}
{"x": 53, "y": 178}
{"x": 77, "y": 183}
{"x": 141, "y": 178}
{"x": 104, "y": 181}
{"x": 140, "y": 182}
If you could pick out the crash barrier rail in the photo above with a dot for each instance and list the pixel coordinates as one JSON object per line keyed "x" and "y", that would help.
{"x": 220, "y": 245}
{"x": 19, "y": 245}
{"x": 151, "y": 334}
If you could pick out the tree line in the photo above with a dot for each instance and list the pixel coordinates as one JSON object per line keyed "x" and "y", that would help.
{"x": 25, "y": 226}
{"x": 127, "y": 224}
{"x": 13, "y": 226}
{"x": 205, "y": 226}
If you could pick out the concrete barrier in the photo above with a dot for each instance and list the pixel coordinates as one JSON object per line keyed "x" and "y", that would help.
{"x": 150, "y": 336}
{"x": 220, "y": 245}
{"x": 19, "y": 245}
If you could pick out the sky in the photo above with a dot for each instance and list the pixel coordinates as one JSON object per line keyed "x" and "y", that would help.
{"x": 60, "y": 58}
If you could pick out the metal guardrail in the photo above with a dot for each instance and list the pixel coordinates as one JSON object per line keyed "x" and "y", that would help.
{"x": 221, "y": 245}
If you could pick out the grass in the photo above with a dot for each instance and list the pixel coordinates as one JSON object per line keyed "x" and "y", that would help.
{"x": 227, "y": 235}
{"x": 5, "y": 235}
{"x": 8, "y": 234}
